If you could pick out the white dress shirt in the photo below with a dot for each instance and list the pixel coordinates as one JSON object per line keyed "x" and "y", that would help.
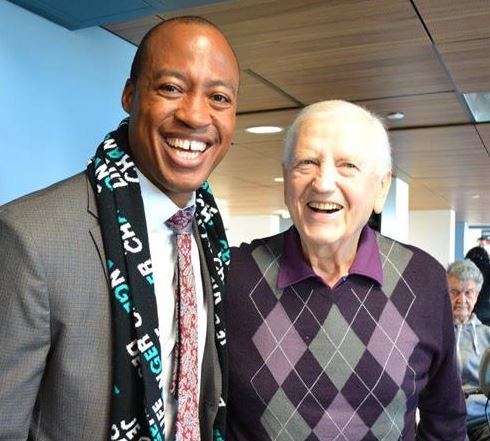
{"x": 158, "y": 208}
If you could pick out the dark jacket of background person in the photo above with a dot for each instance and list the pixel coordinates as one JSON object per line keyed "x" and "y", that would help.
{"x": 480, "y": 257}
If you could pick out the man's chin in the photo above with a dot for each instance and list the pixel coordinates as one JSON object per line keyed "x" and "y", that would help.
{"x": 460, "y": 319}
{"x": 184, "y": 183}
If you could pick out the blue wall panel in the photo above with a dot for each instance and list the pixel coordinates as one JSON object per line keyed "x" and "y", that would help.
{"x": 59, "y": 94}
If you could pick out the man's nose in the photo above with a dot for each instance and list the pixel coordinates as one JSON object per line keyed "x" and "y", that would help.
{"x": 194, "y": 111}
{"x": 326, "y": 179}
{"x": 461, "y": 298}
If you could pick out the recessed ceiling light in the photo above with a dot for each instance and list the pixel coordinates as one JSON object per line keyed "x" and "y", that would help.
{"x": 475, "y": 196}
{"x": 279, "y": 179}
{"x": 395, "y": 116}
{"x": 264, "y": 129}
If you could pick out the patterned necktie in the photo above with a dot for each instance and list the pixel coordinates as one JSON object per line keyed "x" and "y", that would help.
{"x": 185, "y": 375}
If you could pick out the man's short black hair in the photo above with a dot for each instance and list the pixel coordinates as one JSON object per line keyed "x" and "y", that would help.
{"x": 141, "y": 53}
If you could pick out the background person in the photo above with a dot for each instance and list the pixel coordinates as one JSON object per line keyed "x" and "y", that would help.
{"x": 89, "y": 328}
{"x": 479, "y": 256}
{"x": 334, "y": 331}
{"x": 472, "y": 338}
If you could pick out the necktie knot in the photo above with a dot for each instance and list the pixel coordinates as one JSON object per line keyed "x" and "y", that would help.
{"x": 181, "y": 221}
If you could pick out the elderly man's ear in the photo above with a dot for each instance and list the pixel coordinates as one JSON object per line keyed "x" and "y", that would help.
{"x": 380, "y": 199}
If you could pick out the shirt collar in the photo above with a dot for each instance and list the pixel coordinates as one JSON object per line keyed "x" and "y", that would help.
{"x": 158, "y": 206}
{"x": 293, "y": 268}
{"x": 473, "y": 319}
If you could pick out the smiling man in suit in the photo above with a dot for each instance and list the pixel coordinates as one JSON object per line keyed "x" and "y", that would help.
{"x": 92, "y": 338}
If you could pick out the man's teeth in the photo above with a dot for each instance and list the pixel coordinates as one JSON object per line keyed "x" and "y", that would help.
{"x": 187, "y": 154}
{"x": 186, "y": 144}
{"x": 328, "y": 206}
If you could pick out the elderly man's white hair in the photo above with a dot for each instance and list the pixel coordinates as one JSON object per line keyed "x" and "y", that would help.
{"x": 465, "y": 270}
{"x": 338, "y": 109}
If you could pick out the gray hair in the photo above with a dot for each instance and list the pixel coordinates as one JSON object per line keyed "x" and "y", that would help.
{"x": 465, "y": 270}
{"x": 338, "y": 109}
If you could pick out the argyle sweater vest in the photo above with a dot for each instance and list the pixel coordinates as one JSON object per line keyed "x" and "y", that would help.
{"x": 308, "y": 362}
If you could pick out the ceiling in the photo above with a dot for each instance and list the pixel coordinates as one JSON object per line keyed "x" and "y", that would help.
{"x": 414, "y": 56}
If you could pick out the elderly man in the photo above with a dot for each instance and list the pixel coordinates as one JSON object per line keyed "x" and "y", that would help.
{"x": 472, "y": 338}
{"x": 94, "y": 345}
{"x": 334, "y": 331}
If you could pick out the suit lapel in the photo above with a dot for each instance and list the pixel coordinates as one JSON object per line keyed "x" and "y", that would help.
{"x": 95, "y": 231}
{"x": 210, "y": 392}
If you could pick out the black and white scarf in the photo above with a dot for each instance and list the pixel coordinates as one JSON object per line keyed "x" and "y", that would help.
{"x": 137, "y": 404}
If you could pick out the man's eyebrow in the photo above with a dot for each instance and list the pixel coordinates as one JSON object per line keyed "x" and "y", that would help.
{"x": 168, "y": 73}
{"x": 223, "y": 83}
